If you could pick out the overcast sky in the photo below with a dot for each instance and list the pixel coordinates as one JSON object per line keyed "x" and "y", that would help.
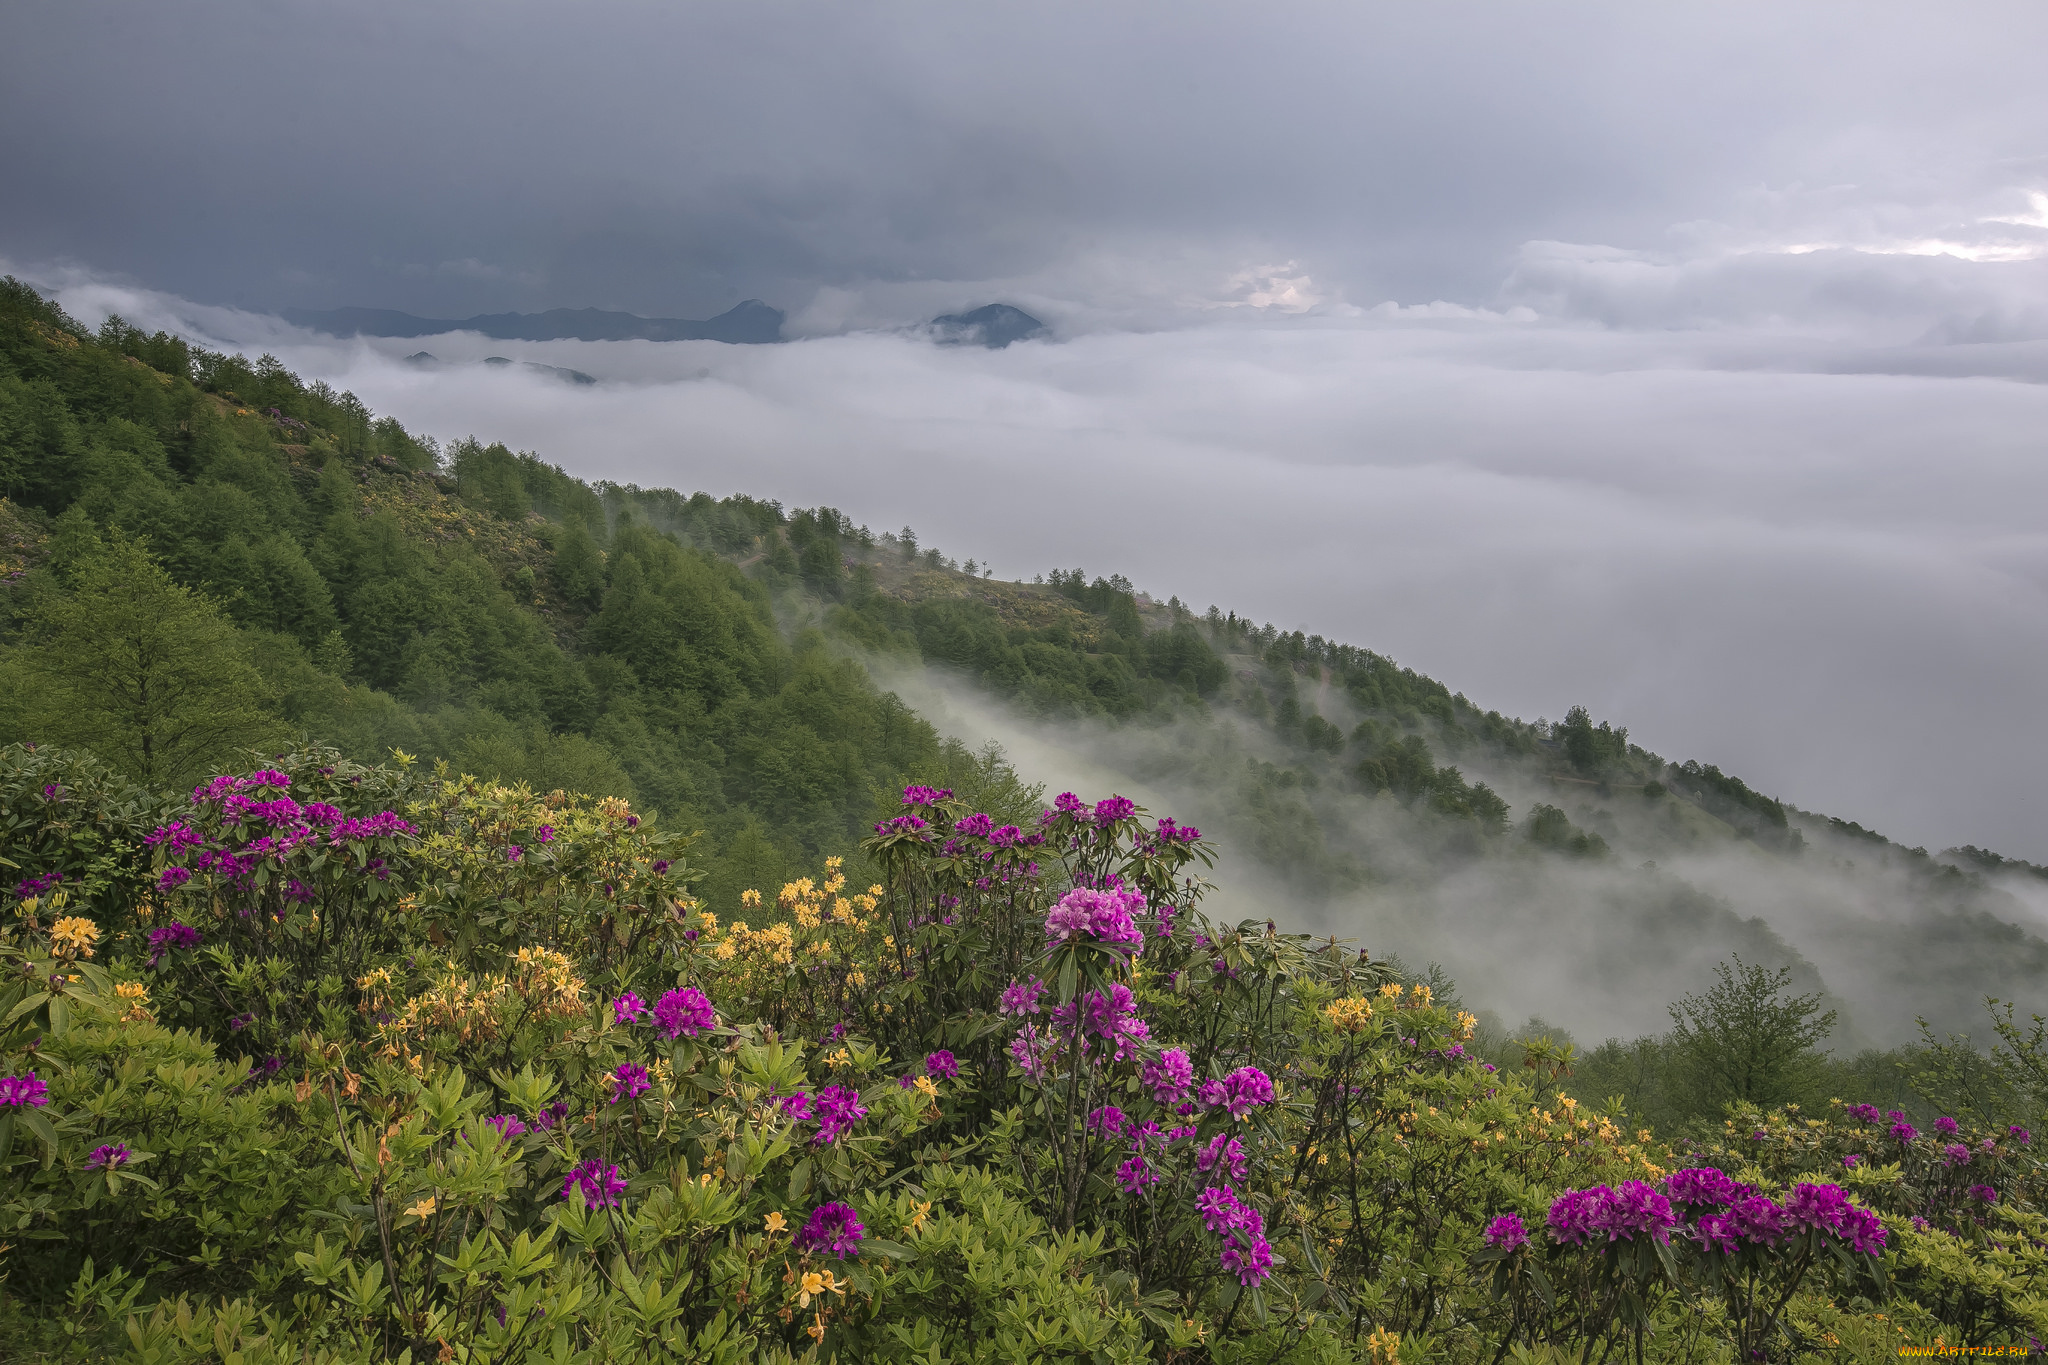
{"x": 1691, "y": 363}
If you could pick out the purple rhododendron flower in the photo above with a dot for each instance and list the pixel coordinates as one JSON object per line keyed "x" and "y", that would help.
{"x": 797, "y": 1106}
{"x": 1134, "y": 1175}
{"x": 1111, "y": 809}
{"x": 1716, "y": 1232}
{"x": 942, "y": 1063}
{"x": 1904, "y": 1132}
{"x": 1985, "y": 1193}
{"x": 1946, "y": 1126}
{"x": 831, "y": 1227}
{"x": 1759, "y": 1220}
{"x": 600, "y": 1185}
{"x": 1247, "y": 1255}
{"x": 1863, "y": 1229}
{"x": 926, "y": 796}
{"x": 171, "y": 937}
{"x": 1169, "y": 1077}
{"x": 627, "y": 1008}
{"x": 2021, "y": 1135}
{"x": 108, "y": 1157}
{"x": 1097, "y": 916}
{"x": 1849, "y": 1161}
{"x": 1702, "y": 1185}
{"x": 1032, "y": 1051}
{"x": 683, "y": 1012}
{"x": 507, "y": 1126}
{"x": 1955, "y": 1154}
{"x": 1243, "y": 1090}
{"x": 1020, "y": 998}
{"x": 1507, "y": 1233}
{"x": 1227, "y": 1151}
{"x": 1223, "y": 1211}
{"x": 632, "y": 1082}
{"x": 1865, "y": 1112}
{"x": 836, "y": 1108}
{"x": 1821, "y": 1207}
{"x": 1635, "y": 1210}
{"x": 1106, "y": 1122}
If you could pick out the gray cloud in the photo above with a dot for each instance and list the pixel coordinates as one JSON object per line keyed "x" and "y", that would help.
{"x": 674, "y": 159}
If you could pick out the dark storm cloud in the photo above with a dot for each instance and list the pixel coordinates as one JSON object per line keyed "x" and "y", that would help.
{"x": 451, "y": 157}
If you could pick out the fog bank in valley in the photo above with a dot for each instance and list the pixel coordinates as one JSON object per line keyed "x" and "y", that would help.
{"x": 1598, "y": 946}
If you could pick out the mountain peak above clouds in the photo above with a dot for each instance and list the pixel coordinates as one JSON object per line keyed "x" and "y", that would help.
{"x": 993, "y": 325}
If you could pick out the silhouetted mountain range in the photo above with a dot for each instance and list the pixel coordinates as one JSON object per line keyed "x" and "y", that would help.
{"x": 750, "y": 323}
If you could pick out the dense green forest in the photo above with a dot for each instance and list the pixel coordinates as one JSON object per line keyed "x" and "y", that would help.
{"x": 256, "y": 561}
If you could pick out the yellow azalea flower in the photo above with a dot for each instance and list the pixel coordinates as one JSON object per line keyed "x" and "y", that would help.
{"x": 926, "y": 1088}
{"x": 923, "y": 1212}
{"x": 815, "y": 1283}
{"x": 750, "y": 898}
{"x": 424, "y": 1207}
{"x": 776, "y": 1222}
{"x": 74, "y": 935}
{"x": 1349, "y": 1015}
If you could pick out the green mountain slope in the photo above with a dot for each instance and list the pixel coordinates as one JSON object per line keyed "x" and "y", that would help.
{"x": 714, "y": 660}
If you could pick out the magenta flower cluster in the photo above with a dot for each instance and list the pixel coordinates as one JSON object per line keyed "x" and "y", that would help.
{"x": 942, "y": 1064}
{"x": 1020, "y": 998}
{"x": 601, "y": 1184}
{"x": 23, "y": 1092}
{"x": 171, "y": 938}
{"x": 685, "y": 1012}
{"x": 1246, "y": 1253}
{"x": 1107, "y": 917}
{"x": 1725, "y": 1216}
{"x": 1608, "y": 1215}
{"x": 835, "y": 1109}
{"x": 1169, "y": 1077}
{"x": 833, "y": 1228}
{"x": 1507, "y": 1233}
{"x": 631, "y": 1082}
{"x": 108, "y": 1158}
{"x": 1242, "y": 1091}
{"x": 1109, "y": 1025}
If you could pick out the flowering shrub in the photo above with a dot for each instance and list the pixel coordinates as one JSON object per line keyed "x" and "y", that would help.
{"x": 363, "y": 1083}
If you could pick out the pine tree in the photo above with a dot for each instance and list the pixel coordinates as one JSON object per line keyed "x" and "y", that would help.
{"x": 144, "y": 672}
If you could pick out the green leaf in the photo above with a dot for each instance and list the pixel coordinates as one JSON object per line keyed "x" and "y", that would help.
{"x": 881, "y": 1246}
{"x": 799, "y": 1180}
{"x": 37, "y": 1122}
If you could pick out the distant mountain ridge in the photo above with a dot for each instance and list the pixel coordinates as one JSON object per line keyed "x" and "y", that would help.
{"x": 749, "y": 323}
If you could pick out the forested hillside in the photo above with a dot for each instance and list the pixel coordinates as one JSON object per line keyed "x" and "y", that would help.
{"x": 306, "y": 569}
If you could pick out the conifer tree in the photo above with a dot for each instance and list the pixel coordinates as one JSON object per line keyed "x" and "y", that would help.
{"x": 141, "y": 670}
